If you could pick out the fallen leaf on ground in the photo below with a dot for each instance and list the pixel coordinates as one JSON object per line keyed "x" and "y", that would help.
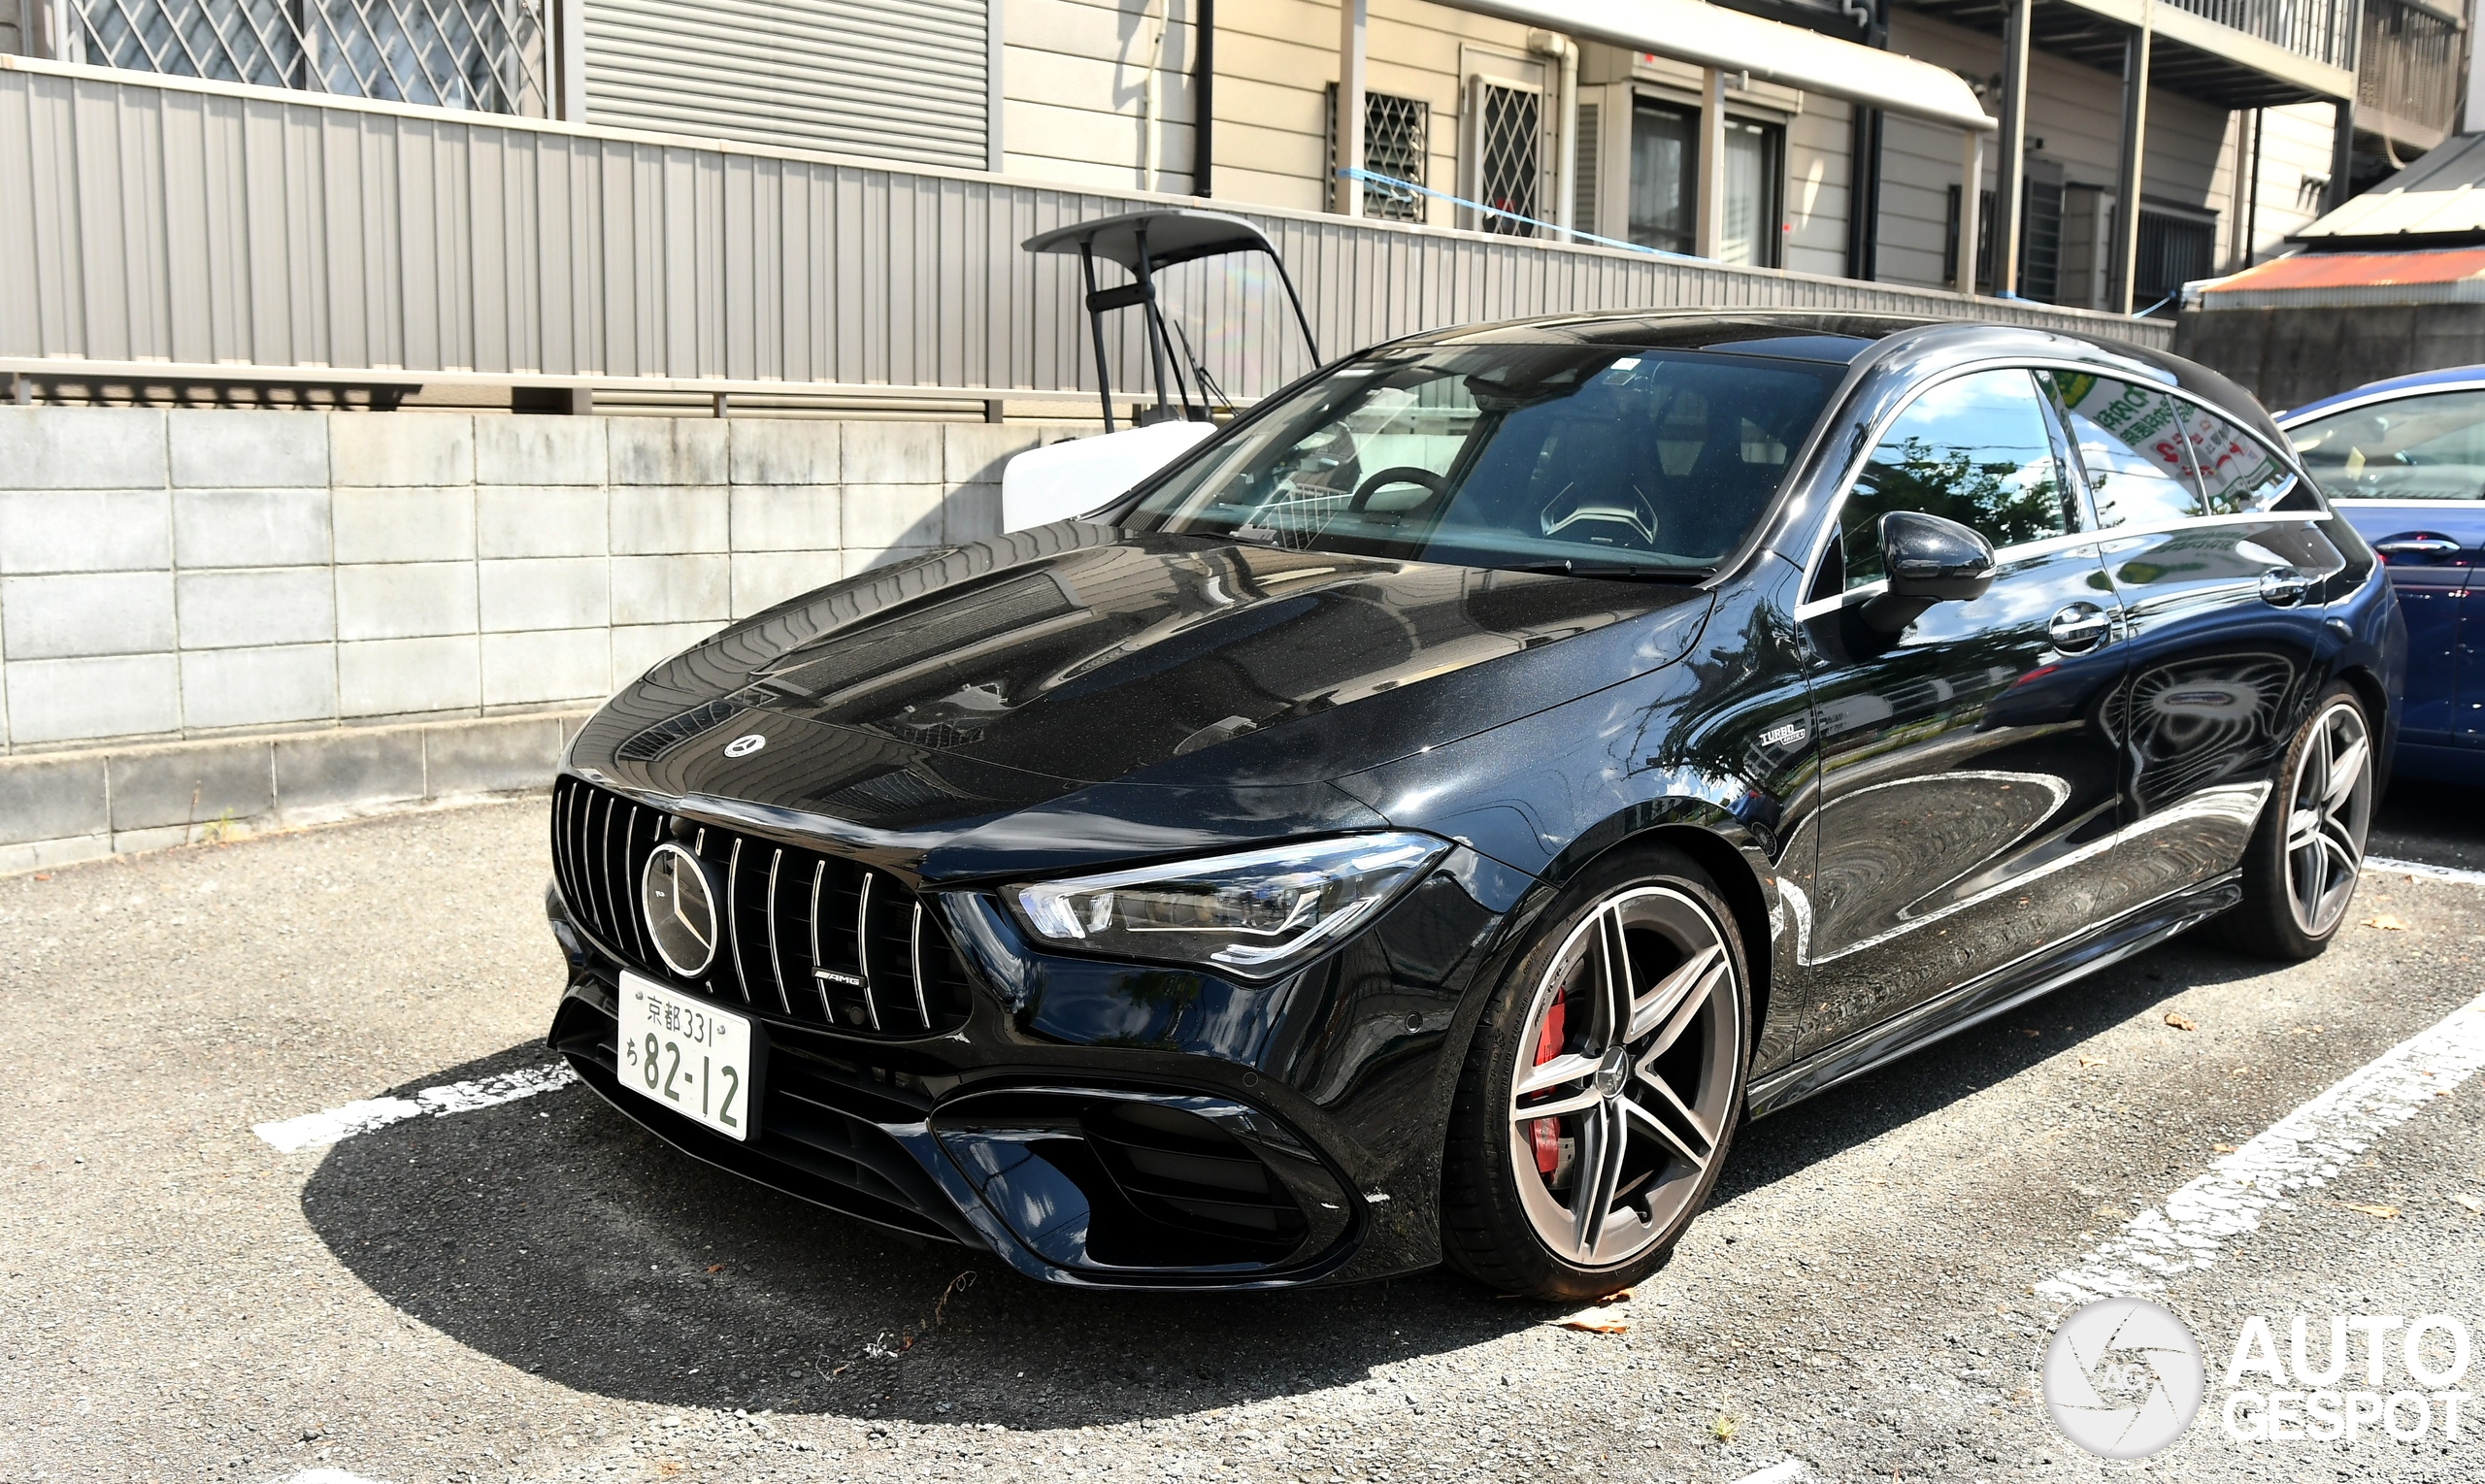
{"x": 2385, "y": 1212}
{"x": 716, "y": 1267}
{"x": 2092, "y": 1061}
{"x": 1618, "y": 1295}
{"x": 2471, "y": 1203}
{"x": 1585, "y": 1327}
{"x": 2024, "y": 1031}
{"x": 2387, "y": 923}
{"x": 2221, "y": 1148}
{"x": 2180, "y": 1021}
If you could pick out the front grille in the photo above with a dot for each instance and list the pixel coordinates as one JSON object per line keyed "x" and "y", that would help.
{"x": 815, "y": 938}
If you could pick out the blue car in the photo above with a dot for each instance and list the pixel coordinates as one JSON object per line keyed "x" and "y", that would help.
{"x": 2404, "y": 461}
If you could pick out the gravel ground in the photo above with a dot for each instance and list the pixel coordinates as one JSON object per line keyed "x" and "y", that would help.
{"x": 535, "y": 1291}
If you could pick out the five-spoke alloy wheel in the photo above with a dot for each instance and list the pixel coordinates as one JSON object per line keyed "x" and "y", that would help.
{"x": 2329, "y": 804}
{"x": 1613, "y": 1063}
{"x": 2309, "y": 850}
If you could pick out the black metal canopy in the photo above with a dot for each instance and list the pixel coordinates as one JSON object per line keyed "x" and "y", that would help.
{"x": 1144, "y": 243}
{"x": 1174, "y": 235}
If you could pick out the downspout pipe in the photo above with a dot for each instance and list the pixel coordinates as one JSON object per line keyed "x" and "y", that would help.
{"x": 1566, "y": 157}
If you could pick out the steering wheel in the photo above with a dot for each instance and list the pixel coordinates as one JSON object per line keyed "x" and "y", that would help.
{"x": 1402, "y": 473}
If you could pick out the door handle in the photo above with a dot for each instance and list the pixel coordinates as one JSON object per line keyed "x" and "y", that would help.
{"x": 2284, "y": 586}
{"x": 2418, "y": 545}
{"x": 2079, "y": 627}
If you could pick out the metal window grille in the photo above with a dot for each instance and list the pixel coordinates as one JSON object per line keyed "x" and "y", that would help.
{"x": 1586, "y": 158}
{"x": 488, "y": 55}
{"x": 2173, "y": 250}
{"x": 2039, "y": 239}
{"x": 1395, "y": 144}
{"x": 1510, "y": 133}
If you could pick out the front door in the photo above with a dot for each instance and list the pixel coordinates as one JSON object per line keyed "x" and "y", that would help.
{"x": 1969, "y": 771}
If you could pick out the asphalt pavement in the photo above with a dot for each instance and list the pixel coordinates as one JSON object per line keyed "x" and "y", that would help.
{"x": 507, "y": 1282}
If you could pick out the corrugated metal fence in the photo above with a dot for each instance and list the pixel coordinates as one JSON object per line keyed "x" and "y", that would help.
{"x": 174, "y": 228}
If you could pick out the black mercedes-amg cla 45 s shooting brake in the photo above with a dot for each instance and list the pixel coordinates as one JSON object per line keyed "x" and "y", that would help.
{"x": 1420, "y": 824}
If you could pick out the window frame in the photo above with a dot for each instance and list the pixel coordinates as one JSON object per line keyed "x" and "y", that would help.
{"x": 1870, "y": 438}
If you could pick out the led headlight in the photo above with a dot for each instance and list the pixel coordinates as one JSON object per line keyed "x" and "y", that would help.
{"x": 1253, "y": 915}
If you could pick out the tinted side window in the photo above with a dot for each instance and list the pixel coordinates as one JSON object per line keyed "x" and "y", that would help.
{"x": 2430, "y": 447}
{"x": 2131, "y": 445}
{"x": 2237, "y": 472}
{"x": 1975, "y": 449}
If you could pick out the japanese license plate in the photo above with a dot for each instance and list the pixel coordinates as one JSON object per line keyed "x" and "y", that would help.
{"x": 691, "y": 1057}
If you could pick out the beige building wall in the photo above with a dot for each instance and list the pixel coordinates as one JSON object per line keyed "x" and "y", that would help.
{"x": 2196, "y": 157}
{"x": 1074, "y": 90}
{"x": 1074, "y": 76}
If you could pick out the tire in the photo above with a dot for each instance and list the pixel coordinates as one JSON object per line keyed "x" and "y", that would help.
{"x": 1667, "y": 1092}
{"x": 2307, "y": 854}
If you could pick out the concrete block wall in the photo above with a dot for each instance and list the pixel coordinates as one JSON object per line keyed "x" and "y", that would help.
{"x": 175, "y": 574}
{"x": 83, "y": 804}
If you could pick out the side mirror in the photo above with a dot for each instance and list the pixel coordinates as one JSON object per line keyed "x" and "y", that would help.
{"x": 1930, "y": 560}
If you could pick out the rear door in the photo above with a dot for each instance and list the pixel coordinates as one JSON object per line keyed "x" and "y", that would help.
{"x": 2214, "y": 552}
{"x": 1969, "y": 778}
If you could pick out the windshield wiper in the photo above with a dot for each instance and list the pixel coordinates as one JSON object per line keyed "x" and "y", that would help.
{"x": 1649, "y": 572}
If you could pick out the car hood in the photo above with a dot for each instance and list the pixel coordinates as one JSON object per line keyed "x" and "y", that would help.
{"x": 1075, "y": 673}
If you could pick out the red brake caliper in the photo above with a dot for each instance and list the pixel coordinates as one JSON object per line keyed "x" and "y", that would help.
{"x": 1546, "y": 1133}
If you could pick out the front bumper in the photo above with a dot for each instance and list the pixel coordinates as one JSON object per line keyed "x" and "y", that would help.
{"x": 1106, "y": 1124}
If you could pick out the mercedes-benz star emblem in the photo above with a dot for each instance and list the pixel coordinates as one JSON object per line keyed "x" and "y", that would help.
{"x": 746, "y": 744}
{"x": 679, "y": 903}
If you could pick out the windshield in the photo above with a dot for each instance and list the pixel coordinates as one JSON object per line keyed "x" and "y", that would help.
{"x": 2414, "y": 449}
{"x": 1596, "y": 459}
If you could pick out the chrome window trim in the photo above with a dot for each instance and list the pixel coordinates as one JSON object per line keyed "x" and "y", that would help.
{"x": 2406, "y": 505}
{"x": 1836, "y": 503}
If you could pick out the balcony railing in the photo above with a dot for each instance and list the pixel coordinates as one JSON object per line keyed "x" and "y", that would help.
{"x": 2323, "y": 31}
{"x": 2408, "y": 84}
{"x": 488, "y": 55}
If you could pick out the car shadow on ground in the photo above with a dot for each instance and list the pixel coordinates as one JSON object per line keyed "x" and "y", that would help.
{"x": 2439, "y": 824}
{"x": 557, "y": 1237}
{"x": 1929, "y": 1081}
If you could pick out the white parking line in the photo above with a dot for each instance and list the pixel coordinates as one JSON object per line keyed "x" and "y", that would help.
{"x": 1792, "y": 1471}
{"x": 2300, "y": 1151}
{"x": 314, "y": 1131}
{"x": 2430, "y": 872}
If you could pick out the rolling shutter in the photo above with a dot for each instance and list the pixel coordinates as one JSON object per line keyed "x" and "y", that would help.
{"x": 902, "y": 80}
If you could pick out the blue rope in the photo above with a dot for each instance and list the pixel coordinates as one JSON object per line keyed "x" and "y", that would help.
{"x": 1353, "y": 173}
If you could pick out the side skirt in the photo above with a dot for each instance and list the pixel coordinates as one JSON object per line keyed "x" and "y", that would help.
{"x": 2004, "y": 988}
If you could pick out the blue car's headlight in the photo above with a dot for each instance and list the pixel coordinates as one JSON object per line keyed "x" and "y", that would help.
{"x": 1253, "y": 915}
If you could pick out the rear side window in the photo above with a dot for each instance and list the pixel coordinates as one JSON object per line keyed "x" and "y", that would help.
{"x": 2237, "y": 473}
{"x": 2414, "y": 449}
{"x": 2130, "y": 440}
{"x": 1975, "y": 449}
{"x": 2151, "y": 457}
